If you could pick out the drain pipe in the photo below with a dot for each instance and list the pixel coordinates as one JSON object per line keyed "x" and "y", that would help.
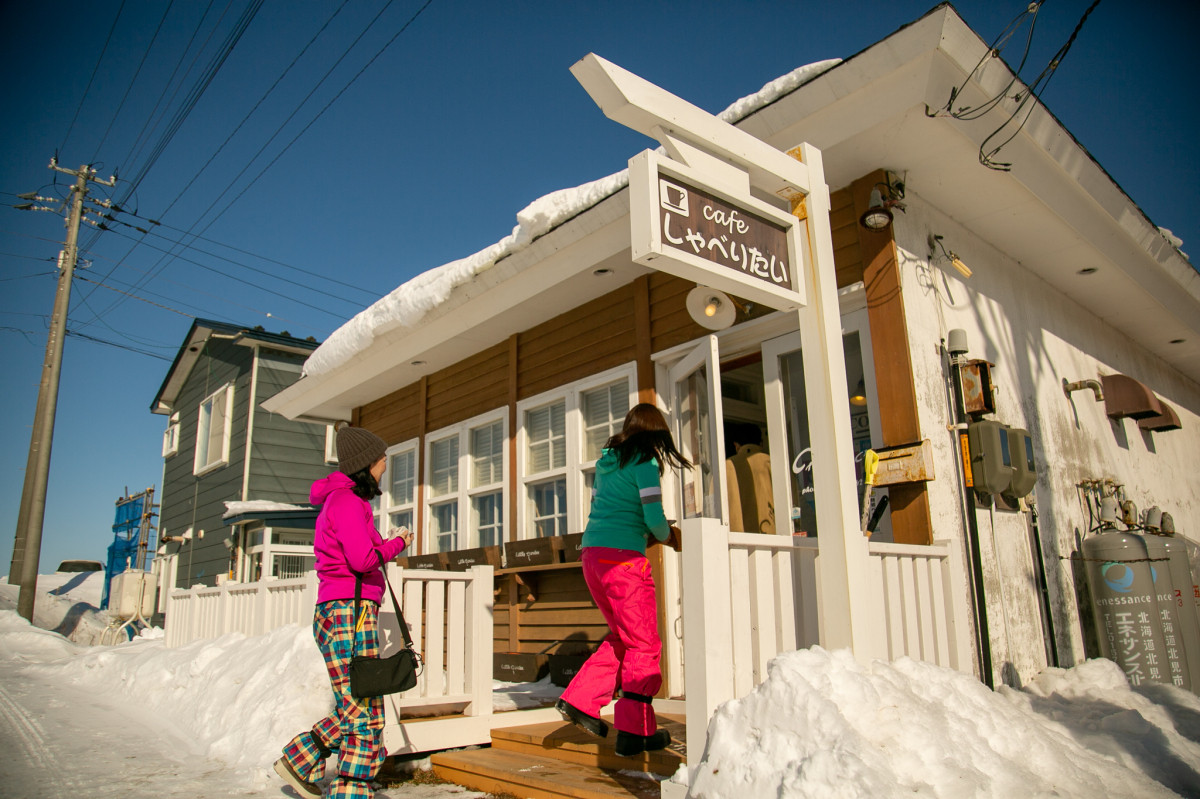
{"x": 954, "y": 348}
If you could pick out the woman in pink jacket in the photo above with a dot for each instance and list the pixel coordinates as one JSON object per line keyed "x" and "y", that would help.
{"x": 347, "y": 546}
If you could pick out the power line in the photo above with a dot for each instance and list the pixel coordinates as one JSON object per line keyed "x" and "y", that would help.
{"x": 133, "y": 296}
{"x": 85, "y": 336}
{"x": 95, "y": 70}
{"x": 120, "y": 106}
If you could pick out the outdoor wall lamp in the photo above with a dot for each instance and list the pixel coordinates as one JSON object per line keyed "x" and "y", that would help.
{"x": 711, "y": 309}
{"x": 935, "y": 243}
{"x": 879, "y": 208}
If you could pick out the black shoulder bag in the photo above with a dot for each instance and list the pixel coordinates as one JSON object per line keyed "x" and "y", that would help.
{"x": 373, "y": 676}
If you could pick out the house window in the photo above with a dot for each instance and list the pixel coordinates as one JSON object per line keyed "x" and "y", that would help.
{"x": 214, "y": 430}
{"x": 561, "y": 437}
{"x": 399, "y": 485}
{"x": 465, "y": 484}
{"x": 171, "y": 437}
{"x": 330, "y": 444}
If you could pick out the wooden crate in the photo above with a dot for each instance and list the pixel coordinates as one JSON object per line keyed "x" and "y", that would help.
{"x": 564, "y": 667}
{"x": 519, "y": 666}
{"x": 535, "y": 552}
{"x": 464, "y": 559}
{"x": 572, "y": 547}
{"x": 435, "y": 560}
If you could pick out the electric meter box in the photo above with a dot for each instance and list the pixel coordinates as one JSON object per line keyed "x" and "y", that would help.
{"x": 128, "y": 589}
{"x": 991, "y": 462}
{"x": 1020, "y": 448}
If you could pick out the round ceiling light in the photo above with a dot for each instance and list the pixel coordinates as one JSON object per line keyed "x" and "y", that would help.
{"x": 711, "y": 309}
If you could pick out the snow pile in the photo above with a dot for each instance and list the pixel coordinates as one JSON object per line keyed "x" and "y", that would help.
{"x": 825, "y": 725}
{"x": 407, "y": 305}
{"x": 236, "y": 508}
{"x": 67, "y": 603}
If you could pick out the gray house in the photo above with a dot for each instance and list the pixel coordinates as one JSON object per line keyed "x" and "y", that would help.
{"x": 235, "y": 477}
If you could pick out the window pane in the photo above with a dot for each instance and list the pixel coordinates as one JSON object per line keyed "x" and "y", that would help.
{"x": 488, "y": 512}
{"x": 546, "y": 433}
{"x": 402, "y": 472}
{"x": 216, "y": 428}
{"x": 443, "y": 478}
{"x": 604, "y": 412}
{"x": 487, "y": 450}
{"x": 549, "y": 502}
{"x": 402, "y": 519}
{"x": 445, "y": 526}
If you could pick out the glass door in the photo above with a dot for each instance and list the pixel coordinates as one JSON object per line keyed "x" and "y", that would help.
{"x": 695, "y": 403}
{"x": 792, "y": 477}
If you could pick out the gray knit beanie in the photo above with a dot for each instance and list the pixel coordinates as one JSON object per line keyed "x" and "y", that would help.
{"x": 358, "y": 449}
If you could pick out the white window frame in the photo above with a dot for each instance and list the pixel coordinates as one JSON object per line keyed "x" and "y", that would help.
{"x": 330, "y": 444}
{"x": 171, "y": 437}
{"x": 203, "y": 431}
{"x": 387, "y": 503}
{"x": 464, "y": 495}
{"x": 576, "y": 468}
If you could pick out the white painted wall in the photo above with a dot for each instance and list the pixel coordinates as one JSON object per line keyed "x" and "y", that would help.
{"x": 1036, "y": 336}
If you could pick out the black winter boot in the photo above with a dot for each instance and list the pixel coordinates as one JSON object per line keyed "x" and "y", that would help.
{"x": 589, "y": 724}
{"x": 630, "y": 744}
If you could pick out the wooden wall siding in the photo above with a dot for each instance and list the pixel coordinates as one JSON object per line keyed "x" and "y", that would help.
{"x": 199, "y": 502}
{"x": 563, "y": 617}
{"x": 847, "y": 254}
{"x": 899, "y": 423}
{"x": 395, "y": 417}
{"x": 670, "y": 323}
{"x": 597, "y": 335}
{"x": 285, "y": 456}
{"x": 475, "y": 385}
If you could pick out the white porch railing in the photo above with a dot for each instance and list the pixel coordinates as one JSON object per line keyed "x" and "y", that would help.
{"x": 748, "y": 597}
{"x": 449, "y": 615}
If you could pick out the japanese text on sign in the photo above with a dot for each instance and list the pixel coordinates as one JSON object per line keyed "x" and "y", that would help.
{"x": 698, "y": 223}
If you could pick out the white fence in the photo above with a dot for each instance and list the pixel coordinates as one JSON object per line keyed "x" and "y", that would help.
{"x": 449, "y": 615}
{"x": 748, "y": 597}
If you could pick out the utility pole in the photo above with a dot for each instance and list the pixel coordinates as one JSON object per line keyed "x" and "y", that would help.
{"x": 27, "y": 544}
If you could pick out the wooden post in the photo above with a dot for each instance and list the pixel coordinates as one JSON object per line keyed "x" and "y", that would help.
{"x": 479, "y": 640}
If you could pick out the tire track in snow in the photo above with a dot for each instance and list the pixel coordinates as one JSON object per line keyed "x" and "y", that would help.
{"x": 32, "y": 740}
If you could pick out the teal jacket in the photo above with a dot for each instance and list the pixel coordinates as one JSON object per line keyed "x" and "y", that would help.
{"x": 626, "y": 505}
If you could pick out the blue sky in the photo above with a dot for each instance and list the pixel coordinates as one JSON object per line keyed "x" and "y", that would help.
{"x": 451, "y": 126}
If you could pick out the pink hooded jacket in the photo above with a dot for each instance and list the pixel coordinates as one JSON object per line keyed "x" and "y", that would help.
{"x": 346, "y": 541}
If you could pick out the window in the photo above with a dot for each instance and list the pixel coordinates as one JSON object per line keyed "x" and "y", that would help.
{"x": 464, "y": 483}
{"x": 330, "y": 444}
{"x": 562, "y": 434}
{"x": 171, "y": 437}
{"x": 214, "y": 429}
{"x": 397, "y": 506}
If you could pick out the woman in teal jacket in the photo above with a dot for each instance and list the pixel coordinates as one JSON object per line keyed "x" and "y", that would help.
{"x": 627, "y": 513}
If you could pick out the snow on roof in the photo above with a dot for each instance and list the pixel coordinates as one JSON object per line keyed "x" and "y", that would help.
{"x": 406, "y": 305}
{"x": 258, "y": 506}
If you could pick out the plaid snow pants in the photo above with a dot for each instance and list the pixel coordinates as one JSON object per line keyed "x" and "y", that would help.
{"x": 355, "y": 727}
{"x": 623, "y": 587}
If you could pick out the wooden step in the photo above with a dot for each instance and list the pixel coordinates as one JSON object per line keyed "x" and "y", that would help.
{"x": 539, "y": 777}
{"x": 569, "y": 743}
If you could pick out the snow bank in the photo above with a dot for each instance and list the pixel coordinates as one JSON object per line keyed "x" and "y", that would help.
{"x": 67, "y": 603}
{"x": 824, "y": 725}
{"x": 407, "y": 305}
{"x": 236, "y": 508}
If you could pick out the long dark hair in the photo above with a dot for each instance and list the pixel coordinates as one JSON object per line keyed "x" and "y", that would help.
{"x": 365, "y": 484}
{"x": 645, "y": 435}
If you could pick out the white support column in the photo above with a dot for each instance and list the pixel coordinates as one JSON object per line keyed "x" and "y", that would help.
{"x": 707, "y": 626}
{"x": 480, "y": 600}
{"x": 845, "y": 611}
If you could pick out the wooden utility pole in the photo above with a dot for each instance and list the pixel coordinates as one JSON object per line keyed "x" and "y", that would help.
{"x": 27, "y": 544}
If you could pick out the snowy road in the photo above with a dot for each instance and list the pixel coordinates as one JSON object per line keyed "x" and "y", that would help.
{"x": 62, "y": 742}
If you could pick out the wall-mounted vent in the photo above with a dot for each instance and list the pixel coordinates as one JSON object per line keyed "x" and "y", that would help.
{"x": 1168, "y": 420}
{"x": 1124, "y": 396}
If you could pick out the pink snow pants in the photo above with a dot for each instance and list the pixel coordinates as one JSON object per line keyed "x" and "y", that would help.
{"x": 623, "y": 588}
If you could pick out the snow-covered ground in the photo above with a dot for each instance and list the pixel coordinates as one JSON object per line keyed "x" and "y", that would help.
{"x": 207, "y": 720}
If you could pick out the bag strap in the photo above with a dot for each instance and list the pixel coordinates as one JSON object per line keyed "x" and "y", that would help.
{"x": 358, "y": 578}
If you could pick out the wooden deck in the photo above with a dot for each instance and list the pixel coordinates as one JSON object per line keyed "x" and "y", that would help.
{"x": 556, "y": 760}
